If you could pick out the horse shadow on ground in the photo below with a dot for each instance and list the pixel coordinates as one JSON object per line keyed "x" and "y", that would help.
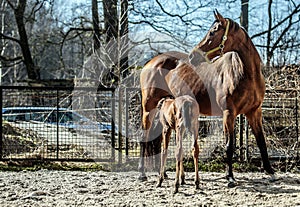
{"x": 282, "y": 185}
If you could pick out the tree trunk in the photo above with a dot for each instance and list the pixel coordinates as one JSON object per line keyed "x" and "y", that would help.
{"x": 269, "y": 53}
{"x": 124, "y": 38}
{"x": 110, "y": 19}
{"x": 32, "y": 71}
{"x": 244, "y": 15}
{"x": 96, "y": 24}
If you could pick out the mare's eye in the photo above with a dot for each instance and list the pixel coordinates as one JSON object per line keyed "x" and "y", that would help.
{"x": 211, "y": 33}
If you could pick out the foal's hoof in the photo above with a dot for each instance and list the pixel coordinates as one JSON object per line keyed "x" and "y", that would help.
{"x": 175, "y": 191}
{"x": 176, "y": 188}
{"x": 142, "y": 178}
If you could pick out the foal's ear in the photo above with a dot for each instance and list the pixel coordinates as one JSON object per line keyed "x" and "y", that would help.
{"x": 219, "y": 17}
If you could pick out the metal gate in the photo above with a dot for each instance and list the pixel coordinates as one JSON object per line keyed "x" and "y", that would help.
{"x": 57, "y": 123}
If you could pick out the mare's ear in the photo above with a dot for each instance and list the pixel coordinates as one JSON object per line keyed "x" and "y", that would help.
{"x": 219, "y": 17}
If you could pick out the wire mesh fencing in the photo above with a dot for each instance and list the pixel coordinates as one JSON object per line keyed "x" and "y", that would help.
{"x": 104, "y": 124}
{"x": 57, "y": 123}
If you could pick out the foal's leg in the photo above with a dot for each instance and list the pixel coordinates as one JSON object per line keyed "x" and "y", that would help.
{"x": 182, "y": 175}
{"x": 255, "y": 122}
{"x": 228, "y": 127}
{"x": 196, "y": 156}
{"x": 178, "y": 155}
{"x": 165, "y": 140}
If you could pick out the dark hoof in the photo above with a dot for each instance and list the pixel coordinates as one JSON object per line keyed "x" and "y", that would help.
{"x": 231, "y": 184}
{"x": 197, "y": 184}
{"x": 142, "y": 178}
{"x": 273, "y": 178}
{"x": 176, "y": 188}
{"x": 165, "y": 175}
{"x": 159, "y": 182}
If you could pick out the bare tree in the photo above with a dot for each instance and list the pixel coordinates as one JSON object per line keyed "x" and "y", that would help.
{"x": 19, "y": 12}
{"x": 96, "y": 24}
{"x": 244, "y": 14}
{"x": 124, "y": 39}
{"x": 110, "y": 19}
{"x": 281, "y": 33}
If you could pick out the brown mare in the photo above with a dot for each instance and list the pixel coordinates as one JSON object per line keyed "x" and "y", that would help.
{"x": 231, "y": 85}
{"x": 180, "y": 114}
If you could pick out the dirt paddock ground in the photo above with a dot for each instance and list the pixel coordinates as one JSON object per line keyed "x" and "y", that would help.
{"x": 76, "y": 188}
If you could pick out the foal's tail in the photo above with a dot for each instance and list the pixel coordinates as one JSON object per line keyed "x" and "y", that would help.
{"x": 187, "y": 114}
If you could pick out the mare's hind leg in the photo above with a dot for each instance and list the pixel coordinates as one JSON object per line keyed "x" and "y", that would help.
{"x": 228, "y": 127}
{"x": 165, "y": 140}
{"x": 147, "y": 120}
{"x": 141, "y": 167}
{"x": 255, "y": 122}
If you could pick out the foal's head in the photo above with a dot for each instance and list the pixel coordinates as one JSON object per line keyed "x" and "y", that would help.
{"x": 223, "y": 36}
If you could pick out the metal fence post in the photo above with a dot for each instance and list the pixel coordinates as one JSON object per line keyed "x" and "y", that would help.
{"x": 241, "y": 130}
{"x": 246, "y": 140}
{"x": 126, "y": 123}
{"x": 297, "y": 128}
{"x": 1, "y": 123}
{"x": 120, "y": 126}
{"x": 113, "y": 128}
{"x": 57, "y": 125}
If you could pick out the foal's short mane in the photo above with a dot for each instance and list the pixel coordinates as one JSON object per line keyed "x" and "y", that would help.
{"x": 161, "y": 101}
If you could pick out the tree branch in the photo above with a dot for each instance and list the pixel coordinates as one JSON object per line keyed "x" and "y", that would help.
{"x": 3, "y": 36}
{"x": 295, "y": 11}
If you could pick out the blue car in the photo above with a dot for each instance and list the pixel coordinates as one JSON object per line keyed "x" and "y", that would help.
{"x": 66, "y": 118}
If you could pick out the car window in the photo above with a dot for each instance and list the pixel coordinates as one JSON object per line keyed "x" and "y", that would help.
{"x": 38, "y": 116}
{"x": 49, "y": 116}
{"x": 14, "y": 115}
{"x": 67, "y": 116}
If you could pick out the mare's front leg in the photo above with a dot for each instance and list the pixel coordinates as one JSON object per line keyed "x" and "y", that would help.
{"x": 165, "y": 140}
{"x": 228, "y": 127}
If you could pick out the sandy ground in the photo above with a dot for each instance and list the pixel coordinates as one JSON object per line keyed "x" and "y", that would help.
{"x": 75, "y": 188}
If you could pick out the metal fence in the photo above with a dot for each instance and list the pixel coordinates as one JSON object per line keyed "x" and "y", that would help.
{"x": 104, "y": 124}
{"x": 57, "y": 123}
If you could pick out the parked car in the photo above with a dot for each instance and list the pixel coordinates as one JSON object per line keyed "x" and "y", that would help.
{"x": 65, "y": 117}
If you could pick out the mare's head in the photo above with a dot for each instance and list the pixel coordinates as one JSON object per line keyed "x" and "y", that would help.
{"x": 223, "y": 36}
